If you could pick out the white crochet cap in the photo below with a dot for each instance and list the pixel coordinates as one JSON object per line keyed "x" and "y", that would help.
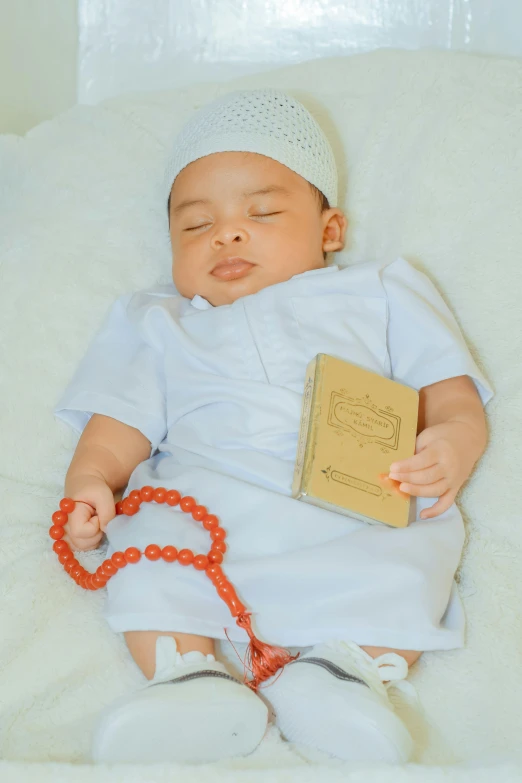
{"x": 265, "y": 121}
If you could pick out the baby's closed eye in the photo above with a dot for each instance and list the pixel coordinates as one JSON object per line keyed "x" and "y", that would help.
{"x": 193, "y": 228}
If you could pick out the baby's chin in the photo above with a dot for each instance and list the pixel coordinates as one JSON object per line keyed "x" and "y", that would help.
{"x": 221, "y": 292}
{"x": 229, "y": 291}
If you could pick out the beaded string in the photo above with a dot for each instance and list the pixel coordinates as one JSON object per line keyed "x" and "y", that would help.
{"x": 263, "y": 659}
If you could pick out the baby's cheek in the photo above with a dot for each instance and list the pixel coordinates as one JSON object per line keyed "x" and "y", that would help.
{"x": 185, "y": 278}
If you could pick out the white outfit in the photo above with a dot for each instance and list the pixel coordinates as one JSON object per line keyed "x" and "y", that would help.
{"x": 217, "y": 391}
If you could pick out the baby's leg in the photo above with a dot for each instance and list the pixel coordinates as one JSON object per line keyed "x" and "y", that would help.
{"x": 142, "y": 646}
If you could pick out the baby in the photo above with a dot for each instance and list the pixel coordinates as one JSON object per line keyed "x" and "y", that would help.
{"x": 198, "y": 386}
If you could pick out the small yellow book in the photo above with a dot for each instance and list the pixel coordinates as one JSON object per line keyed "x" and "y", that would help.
{"x": 354, "y": 424}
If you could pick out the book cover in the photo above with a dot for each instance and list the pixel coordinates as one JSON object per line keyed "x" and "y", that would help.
{"x": 354, "y": 424}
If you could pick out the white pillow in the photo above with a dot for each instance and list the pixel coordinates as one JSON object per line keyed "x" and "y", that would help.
{"x": 429, "y": 150}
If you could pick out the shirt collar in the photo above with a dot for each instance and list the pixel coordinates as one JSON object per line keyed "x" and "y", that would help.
{"x": 203, "y": 304}
{"x": 321, "y": 271}
{"x": 199, "y": 303}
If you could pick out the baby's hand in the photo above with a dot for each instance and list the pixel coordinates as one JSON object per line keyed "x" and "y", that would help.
{"x": 444, "y": 458}
{"x": 86, "y": 524}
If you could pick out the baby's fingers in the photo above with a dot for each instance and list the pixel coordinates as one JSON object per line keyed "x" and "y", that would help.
{"x": 86, "y": 528}
{"x": 426, "y": 476}
{"x": 425, "y": 490}
{"x": 84, "y": 544}
{"x": 442, "y": 505}
{"x": 392, "y": 486}
{"x": 82, "y": 526}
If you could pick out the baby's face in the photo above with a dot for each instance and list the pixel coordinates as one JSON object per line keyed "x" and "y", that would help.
{"x": 240, "y": 221}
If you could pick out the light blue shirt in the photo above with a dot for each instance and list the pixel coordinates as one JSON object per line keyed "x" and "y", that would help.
{"x": 223, "y": 385}
{"x": 218, "y": 391}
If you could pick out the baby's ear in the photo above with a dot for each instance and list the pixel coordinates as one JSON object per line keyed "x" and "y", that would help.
{"x": 335, "y": 224}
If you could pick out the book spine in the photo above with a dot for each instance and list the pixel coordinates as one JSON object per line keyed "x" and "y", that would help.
{"x": 302, "y": 440}
{"x": 314, "y": 422}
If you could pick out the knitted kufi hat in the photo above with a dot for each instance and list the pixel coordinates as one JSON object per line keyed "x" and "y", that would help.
{"x": 265, "y": 121}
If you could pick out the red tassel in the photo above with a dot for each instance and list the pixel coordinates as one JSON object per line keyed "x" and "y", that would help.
{"x": 262, "y": 659}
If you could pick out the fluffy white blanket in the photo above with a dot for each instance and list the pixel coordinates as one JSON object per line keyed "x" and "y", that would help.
{"x": 430, "y": 152}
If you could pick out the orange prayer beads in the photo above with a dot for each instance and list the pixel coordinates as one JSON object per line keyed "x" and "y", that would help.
{"x": 265, "y": 659}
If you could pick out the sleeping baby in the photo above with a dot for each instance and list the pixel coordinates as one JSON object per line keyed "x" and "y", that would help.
{"x": 197, "y": 386}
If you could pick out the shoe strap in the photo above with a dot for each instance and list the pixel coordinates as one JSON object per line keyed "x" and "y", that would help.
{"x": 373, "y": 671}
{"x": 170, "y": 664}
{"x": 394, "y": 669}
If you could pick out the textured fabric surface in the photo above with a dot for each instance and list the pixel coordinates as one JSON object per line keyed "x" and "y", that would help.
{"x": 428, "y": 146}
{"x": 268, "y": 122}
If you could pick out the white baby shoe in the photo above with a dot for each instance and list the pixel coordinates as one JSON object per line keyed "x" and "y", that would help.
{"x": 333, "y": 699}
{"x": 192, "y": 711}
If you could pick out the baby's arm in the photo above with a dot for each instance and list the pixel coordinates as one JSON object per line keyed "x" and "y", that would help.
{"x": 110, "y": 450}
{"x": 455, "y": 399}
{"x": 453, "y": 436}
{"x": 106, "y": 455}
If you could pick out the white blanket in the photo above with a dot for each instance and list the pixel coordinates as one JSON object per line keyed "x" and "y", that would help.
{"x": 430, "y": 152}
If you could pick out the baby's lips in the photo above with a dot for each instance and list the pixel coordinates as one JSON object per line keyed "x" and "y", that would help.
{"x": 392, "y": 484}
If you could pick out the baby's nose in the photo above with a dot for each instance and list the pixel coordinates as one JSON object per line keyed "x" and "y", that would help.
{"x": 227, "y": 236}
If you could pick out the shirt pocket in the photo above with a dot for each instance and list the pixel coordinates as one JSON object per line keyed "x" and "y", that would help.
{"x": 350, "y": 327}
